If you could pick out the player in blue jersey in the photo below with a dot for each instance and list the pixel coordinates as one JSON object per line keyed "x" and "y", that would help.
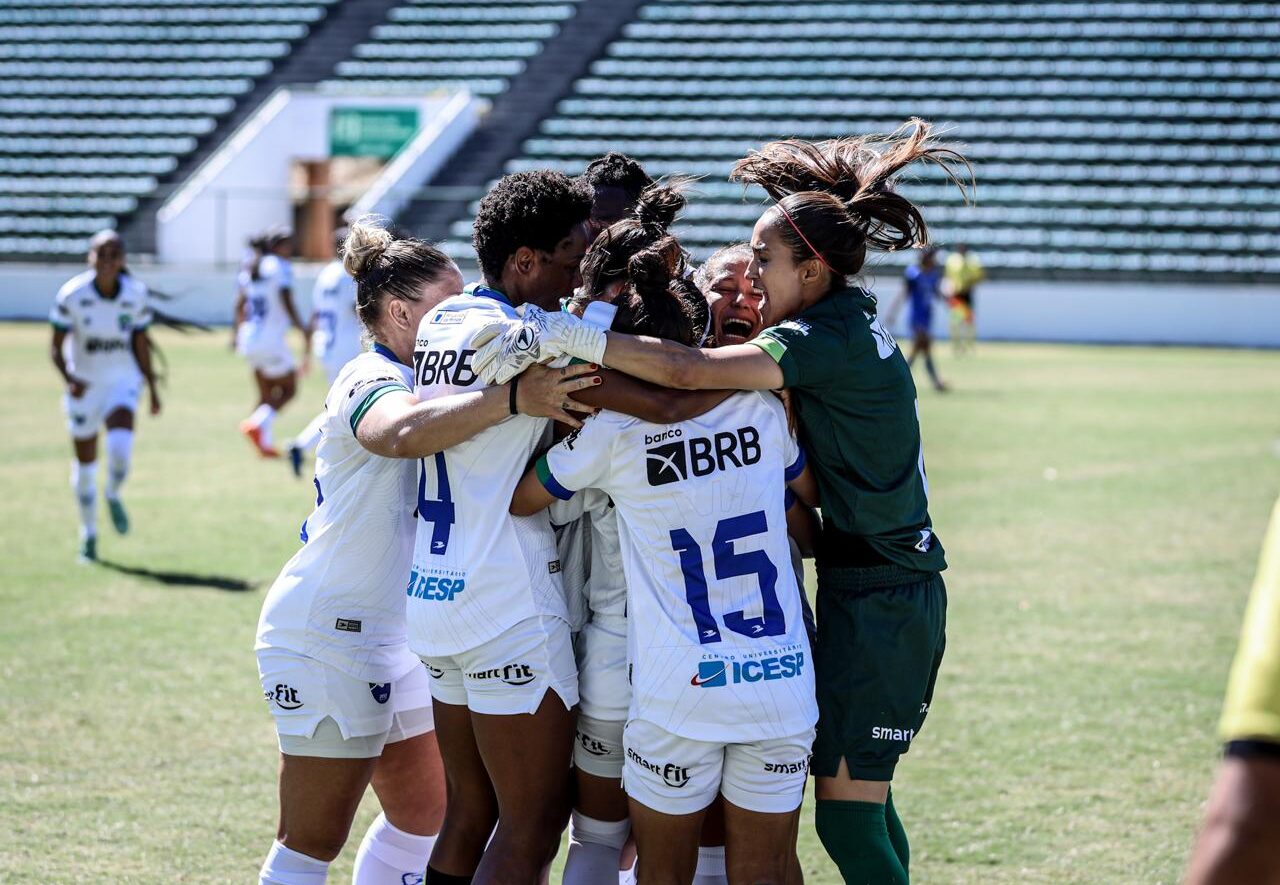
{"x": 921, "y": 288}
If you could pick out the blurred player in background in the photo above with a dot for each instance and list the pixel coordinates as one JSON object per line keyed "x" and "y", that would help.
{"x": 263, "y": 314}
{"x": 962, "y": 272}
{"x": 335, "y": 338}
{"x": 921, "y": 287}
{"x": 1237, "y": 844}
{"x": 101, "y": 349}
{"x": 737, "y": 308}
{"x": 616, "y": 182}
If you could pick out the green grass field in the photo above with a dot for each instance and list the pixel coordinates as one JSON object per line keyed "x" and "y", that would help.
{"x": 1102, "y": 509}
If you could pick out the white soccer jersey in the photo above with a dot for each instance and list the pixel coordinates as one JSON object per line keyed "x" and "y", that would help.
{"x": 340, "y": 599}
{"x": 716, "y": 637}
{"x": 100, "y": 340}
{"x": 477, "y": 570}
{"x": 336, "y": 339}
{"x": 265, "y": 320}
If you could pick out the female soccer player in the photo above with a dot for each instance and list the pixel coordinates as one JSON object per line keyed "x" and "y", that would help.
{"x": 921, "y": 287}
{"x": 335, "y": 337}
{"x": 101, "y": 350}
{"x": 722, "y": 699}
{"x": 352, "y": 704}
{"x": 264, "y": 312}
{"x": 599, "y": 825}
{"x": 737, "y": 307}
{"x": 881, "y": 598}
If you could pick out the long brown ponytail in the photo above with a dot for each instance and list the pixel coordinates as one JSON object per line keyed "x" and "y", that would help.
{"x": 837, "y": 198}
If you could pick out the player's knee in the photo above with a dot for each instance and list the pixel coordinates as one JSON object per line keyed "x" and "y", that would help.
{"x": 322, "y": 842}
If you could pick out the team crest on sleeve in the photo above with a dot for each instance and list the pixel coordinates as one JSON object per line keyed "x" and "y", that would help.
{"x": 885, "y": 343}
{"x": 796, "y": 326}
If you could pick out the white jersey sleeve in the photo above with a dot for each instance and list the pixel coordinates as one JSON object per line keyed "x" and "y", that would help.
{"x": 477, "y": 570}
{"x": 716, "y": 638}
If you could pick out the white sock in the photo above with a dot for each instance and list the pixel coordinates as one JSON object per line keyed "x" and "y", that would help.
{"x": 262, "y": 418}
{"x": 389, "y": 856}
{"x": 594, "y": 848}
{"x": 309, "y": 438}
{"x": 711, "y": 869}
{"x": 628, "y": 877}
{"x": 284, "y": 866}
{"x": 119, "y": 455}
{"x": 84, "y": 482}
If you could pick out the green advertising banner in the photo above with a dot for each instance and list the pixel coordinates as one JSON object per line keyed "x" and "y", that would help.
{"x": 370, "y": 132}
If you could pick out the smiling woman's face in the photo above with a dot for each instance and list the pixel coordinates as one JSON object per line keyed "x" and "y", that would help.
{"x": 737, "y": 308}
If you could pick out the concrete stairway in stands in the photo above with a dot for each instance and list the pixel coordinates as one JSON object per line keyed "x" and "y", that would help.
{"x": 312, "y": 60}
{"x": 515, "y": 115}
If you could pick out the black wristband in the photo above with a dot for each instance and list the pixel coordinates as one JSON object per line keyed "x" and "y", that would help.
{"x": 511, "y": 402}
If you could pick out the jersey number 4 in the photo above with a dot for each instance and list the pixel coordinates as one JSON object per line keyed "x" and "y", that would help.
{"x": 439, "y": 510}
{"x": 772, "y": 622}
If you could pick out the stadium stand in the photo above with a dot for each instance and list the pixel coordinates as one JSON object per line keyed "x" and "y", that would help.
{"x": 447, "y": 44}
{"x": 104, "y": 105}
{"x": 1113, "y": 139}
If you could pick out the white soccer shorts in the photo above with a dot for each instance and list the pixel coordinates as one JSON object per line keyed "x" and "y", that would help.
{"x": 675, "y": 775}
{"x": 602, "y": 669}
{"x": 86, "y": 413}
{"x": 597, "y": 747}
{"x": 305, "y": 695}
{"x": 510, "y": 673}
{"x": 274, "y": 360}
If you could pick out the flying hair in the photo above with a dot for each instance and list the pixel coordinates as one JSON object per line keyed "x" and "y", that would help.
{"x": 839, "y": 196}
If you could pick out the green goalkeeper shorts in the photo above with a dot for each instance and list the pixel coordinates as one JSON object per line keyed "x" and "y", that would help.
{"x": 881, "y": 635}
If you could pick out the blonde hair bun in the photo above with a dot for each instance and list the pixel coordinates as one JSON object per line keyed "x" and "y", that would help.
{"x": 366, "y": 243}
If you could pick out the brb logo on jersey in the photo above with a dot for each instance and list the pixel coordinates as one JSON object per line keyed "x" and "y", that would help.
{"x": 699, "y": 455}
{"x": 713, "y": 674}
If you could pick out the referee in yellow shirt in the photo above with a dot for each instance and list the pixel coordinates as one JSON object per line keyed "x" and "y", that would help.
{"x": 962, "y": 273}
{"x": 1239, "y": 843}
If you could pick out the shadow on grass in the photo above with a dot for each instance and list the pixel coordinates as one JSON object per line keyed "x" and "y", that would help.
{"x": 179, "y": 579}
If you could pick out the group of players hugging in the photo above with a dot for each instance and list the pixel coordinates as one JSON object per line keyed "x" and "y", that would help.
{"x": 554, "y": 572}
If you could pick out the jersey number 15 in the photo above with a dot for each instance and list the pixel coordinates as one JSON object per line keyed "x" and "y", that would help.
{"x": 772, "y": 622}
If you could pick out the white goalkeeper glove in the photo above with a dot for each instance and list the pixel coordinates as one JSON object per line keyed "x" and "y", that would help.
{"x": 505, "y": 349}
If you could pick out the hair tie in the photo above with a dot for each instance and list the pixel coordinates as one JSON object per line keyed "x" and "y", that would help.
{"x": 795, "y": 227}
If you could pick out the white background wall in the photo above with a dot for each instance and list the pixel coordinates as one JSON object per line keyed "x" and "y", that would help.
{"x": 1238, "y": 316}
{"x": 243, "y": 187}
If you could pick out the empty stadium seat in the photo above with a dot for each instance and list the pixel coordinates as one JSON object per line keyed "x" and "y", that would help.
{"x": 447, "y": 44}
{"x": 98, "y": 99}
{"x": 1107, "y": 137}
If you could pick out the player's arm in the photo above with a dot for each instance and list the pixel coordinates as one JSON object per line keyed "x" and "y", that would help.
{"x": 803, "y": 485}
{"x": 620, "y": 392}
{"x": 1236, "y": 844}
{"x": 142, "y": 356}
{"x": 238, "y": 313}
{"x": 397, "y": 425}
{"x": 803, "y": 525}
{"x": 666, "y": 363}
{"x": 530, "y": 496}
{"x": 75, "y": 386}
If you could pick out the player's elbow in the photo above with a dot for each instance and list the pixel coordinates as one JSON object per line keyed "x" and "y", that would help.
{"x": 521, "y": 506}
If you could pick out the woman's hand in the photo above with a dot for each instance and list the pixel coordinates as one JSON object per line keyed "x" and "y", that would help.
{"x": 76, "y": 387}
{"x": 544, "y": 392}
{"x": 153, "y": 395}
